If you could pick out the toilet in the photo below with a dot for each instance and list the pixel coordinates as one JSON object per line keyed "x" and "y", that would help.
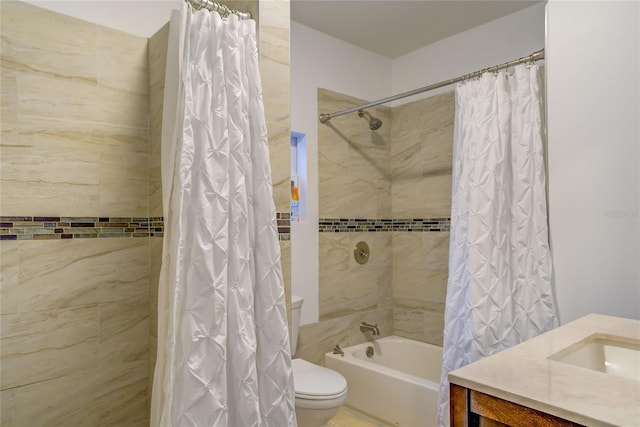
{"x": 320, "y": 392}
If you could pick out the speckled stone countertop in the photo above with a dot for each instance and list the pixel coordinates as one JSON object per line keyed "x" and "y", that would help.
{"x": 525, "y": 375}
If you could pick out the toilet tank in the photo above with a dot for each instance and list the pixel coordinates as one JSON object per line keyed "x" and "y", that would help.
{"x": 296, "y": 308}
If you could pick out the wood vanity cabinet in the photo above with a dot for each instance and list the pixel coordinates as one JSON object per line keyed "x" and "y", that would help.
{"x": 471, "y": 408}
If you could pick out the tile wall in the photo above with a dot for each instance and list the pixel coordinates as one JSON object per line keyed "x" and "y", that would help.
{"x": 273, "y": 33}
{"x": 390, "y": 188}
{"x": 157, "y": 63}
{"x": 421, "y": 159}
{"x": 354, "y": 182}
{"x": 74, "y": 311}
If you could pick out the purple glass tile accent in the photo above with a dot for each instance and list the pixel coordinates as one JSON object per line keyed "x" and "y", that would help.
{"x": 46, "y": 218}
{"x": 8, "y": 237}
{"x": 6, "y": 224}
{"x": 82, "y": 224}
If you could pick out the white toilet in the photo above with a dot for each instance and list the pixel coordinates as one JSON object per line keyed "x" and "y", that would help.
{"x": 320, "y": 392}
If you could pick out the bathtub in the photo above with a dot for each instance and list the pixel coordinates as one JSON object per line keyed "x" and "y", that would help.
{"x": 398, "y": 385}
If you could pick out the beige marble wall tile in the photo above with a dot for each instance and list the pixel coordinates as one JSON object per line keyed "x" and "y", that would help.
{"x": 420, "y": 272}
{"x": 64, "y": 167}
{"x": 155, "y": 264}
{"x": 437, "y": 152}
{"x": 77, "y": 101}
{"x": 64, "y": 401}
{"x": 122, "y": 398}
{"x": 406, "y": 153}
{"x": 335, "y": 251}
{"x": 285, "y": 262}
{"x": 77, "y": 272}
{"x": 157, "y": 67}
{"x": 353, "y": 161}
{"x": 9, "y": 284}
{"x": 316, "y": 339}
{"x": 122, "y": 61}
{"x": 40, "y": 346}
{"x": 82, "y": 154}
{"x": 421, "y": 157}
{"x": 424, "y": 197}
{"x": 347, "y": 287}
{"x": 419, "y": 288}
{"x": 434, "y": 326}
{"x": 124, "y": 182}
{"x": 408, "y": 323}
{"x": 333, "y": 151}
{"x": 383, "y": 318}
{"x": 124, "y": 330}
{"x": 419, "y": 323}
{"x": 274, "y": 24}
{"x": 75, "y": 400}
{"x": 39, "y": 41}
{"x": 333, "y": 299}
{"x": 421, "y": 168}
{"x": 380, "y": 252}
{"x": 8, "y": 115}
{"x": 350, "y": 292}
{"x": 344, "y": 294}
{"x": 351, "y": 197}
{"x": 431, "y": 113}
{"x": 47, "y": 162}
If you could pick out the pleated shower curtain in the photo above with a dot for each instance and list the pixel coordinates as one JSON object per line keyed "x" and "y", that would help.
{"x": 499, "y": 291}
{"x": 223, "y": 348}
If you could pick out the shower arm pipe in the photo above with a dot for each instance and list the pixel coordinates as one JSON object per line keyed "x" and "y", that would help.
{"x": 535, "y": 56}
{"x": 214, "y": 6}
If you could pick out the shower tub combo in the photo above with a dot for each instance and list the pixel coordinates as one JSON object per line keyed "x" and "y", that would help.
{"x": 398, "y": 384}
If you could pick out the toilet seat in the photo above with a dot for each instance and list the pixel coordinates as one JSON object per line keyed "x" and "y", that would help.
{"x": 313, "y": 382}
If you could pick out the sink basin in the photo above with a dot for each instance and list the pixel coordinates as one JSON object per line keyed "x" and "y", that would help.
{"x": 605, "y": 353}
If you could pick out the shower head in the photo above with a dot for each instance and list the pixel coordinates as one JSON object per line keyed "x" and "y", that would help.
{"x": 374, "y": 123}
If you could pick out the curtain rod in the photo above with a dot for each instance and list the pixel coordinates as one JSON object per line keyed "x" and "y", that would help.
{"x": 535, "y": 56}
{"x": 214, "y": 6}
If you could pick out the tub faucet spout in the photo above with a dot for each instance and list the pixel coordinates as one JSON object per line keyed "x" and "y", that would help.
{"x": 367, "y": 327}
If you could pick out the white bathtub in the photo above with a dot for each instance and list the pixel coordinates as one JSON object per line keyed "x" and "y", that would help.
{"x": 399, "y": 384}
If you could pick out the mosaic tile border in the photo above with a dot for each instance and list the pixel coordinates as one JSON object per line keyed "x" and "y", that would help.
{"x": 73, "y": 227}
{"x": 347, "y": 225}
{"x": 284, "y": 225}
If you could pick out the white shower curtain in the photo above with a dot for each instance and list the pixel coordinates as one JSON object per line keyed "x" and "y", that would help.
{"x": 223, "y": 348}
{"x": 499, "y": 291}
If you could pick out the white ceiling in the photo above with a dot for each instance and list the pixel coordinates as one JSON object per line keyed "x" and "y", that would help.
{"x": 394, "y": 27}
{"x": 388, "y": 27}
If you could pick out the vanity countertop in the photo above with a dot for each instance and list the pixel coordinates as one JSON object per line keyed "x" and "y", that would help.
{"x": 525, "y": 375}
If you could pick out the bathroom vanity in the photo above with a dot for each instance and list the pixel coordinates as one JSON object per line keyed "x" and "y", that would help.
{"x": 586, "y": 372}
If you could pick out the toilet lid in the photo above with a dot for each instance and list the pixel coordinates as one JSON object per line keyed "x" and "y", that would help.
{"x": 313, "y": 381}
